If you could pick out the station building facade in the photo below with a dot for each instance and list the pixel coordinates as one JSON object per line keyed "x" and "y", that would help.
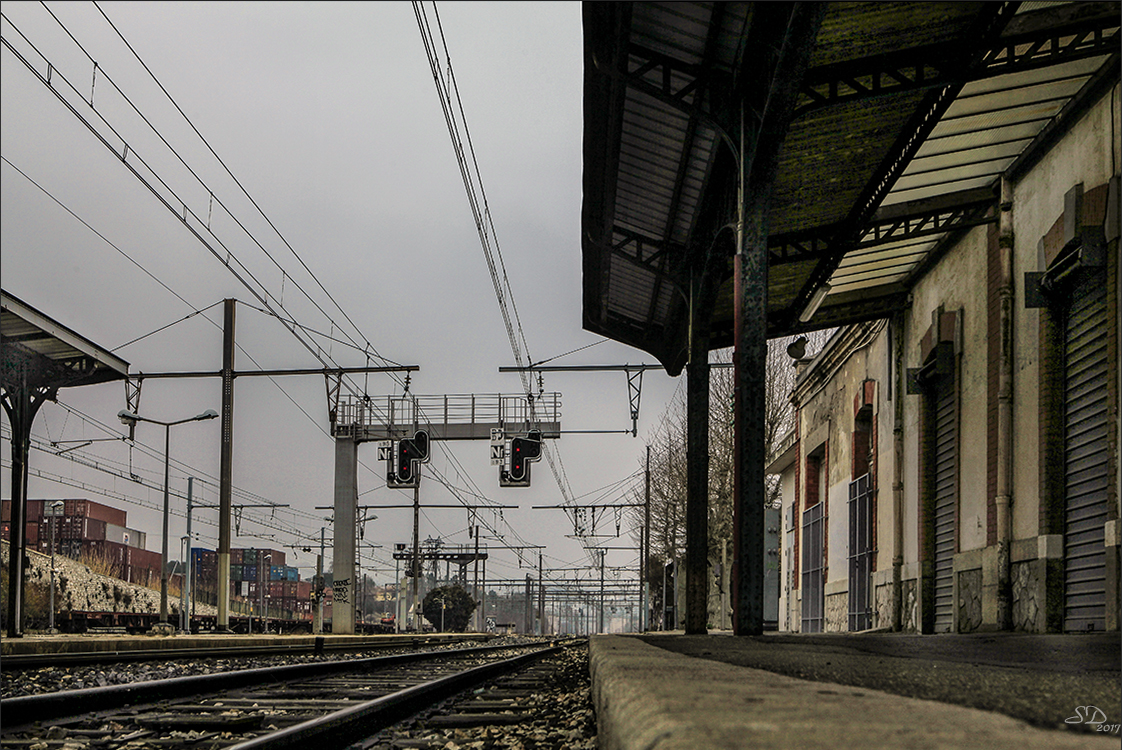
{"x": 956, "y": 468}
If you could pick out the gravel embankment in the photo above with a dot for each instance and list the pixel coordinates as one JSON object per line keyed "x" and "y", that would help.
{"x": 51, "y": 679}
{"x": 82, "y": 590}
{"x": 564, "y": 718}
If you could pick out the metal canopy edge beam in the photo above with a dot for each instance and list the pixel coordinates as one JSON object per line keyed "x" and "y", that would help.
{"x": 39, "y": 329}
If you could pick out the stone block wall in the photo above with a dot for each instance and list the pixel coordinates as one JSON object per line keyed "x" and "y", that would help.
{"x": 969, "y": 600}
{"x": 909, "y": 617}
{"x": 837, "y": 613}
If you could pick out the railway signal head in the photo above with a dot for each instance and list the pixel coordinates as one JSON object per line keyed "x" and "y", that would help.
{"x": 523, "y": 452}
{"x": 408, "y": 454}
{"x": 404, "y": 468}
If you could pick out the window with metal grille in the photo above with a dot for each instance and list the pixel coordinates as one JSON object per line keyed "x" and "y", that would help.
{"x": 813, "y": 584}
{"x": 860, "y": 553}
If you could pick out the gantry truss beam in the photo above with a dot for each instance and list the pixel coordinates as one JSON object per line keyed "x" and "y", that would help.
{"x": 445, "y": 417}
{"x": 900, "y": 223}
{"x": 1026, "y": 45}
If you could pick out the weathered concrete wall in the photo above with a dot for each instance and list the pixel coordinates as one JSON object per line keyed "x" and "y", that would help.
{"x": 1088, "y": 155}
{"x": 957, "y": 284}
{"x": 786, "y": 585}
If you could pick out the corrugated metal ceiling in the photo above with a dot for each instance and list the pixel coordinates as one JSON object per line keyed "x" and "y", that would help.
{"x": 908, "y": 114}
{"x": 51, "y": 353}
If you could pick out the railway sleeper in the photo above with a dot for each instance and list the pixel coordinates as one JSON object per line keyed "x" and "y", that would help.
{"x": 218, "y": 722}
{"x": 467, "y": 720}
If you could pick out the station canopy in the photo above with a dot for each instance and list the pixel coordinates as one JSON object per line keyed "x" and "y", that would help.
{"x": 906, "y": 117}
{"x": 39, "y": 352}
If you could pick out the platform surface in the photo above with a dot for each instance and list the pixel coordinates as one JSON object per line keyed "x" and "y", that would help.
{"x": 661, "y": 691}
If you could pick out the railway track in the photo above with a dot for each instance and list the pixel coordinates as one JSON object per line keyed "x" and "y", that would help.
{"x": 329, "y": 704}
{"x": 312, "y": 645}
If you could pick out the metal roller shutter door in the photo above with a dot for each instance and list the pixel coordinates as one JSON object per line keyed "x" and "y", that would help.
{"x": 946, "y": 448}
{"x": 1085, "y": 457}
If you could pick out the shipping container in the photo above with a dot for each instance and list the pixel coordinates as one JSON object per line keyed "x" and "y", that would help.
{"x": 81, "y": 527}
{"x": 249, "y": 556}
{"x": 289, "y": 589}
{"x": 32, "y": 533}
{"x": 45, "y": 528}
{"x": 276, "y": 589}
{"x": 90, "y": 509}
{"x": 143, "y": 557}
{"x": 235, "y": 572}
{"x": 107, "y": 554}
{"x": 278, "y": 556}
{"x": 94, "y": 528}
{"x": 142, "y": 575}
{"x": 33, "y": 510}
{"x": 236, "y": 556}
{"x": 303, "y": 589}
{"x": 115, "y": 533}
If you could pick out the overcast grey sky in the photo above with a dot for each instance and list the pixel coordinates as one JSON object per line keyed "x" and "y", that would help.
{"x": 327, "y": 114}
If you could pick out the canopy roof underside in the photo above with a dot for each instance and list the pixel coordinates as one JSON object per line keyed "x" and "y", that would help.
{"x": 906, "y": 118}
{"x": 39, "y": 352}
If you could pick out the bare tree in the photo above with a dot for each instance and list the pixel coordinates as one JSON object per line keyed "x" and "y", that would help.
{"x": 668, "y": 458}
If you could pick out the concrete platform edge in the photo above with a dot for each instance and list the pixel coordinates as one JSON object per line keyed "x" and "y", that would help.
{"x": 647, "y": 698}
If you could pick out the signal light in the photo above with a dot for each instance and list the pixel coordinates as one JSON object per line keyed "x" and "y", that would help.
{"x": 404, "y": 461}
{"x": 403, "y": 470}
{"x": 523, "y": 451}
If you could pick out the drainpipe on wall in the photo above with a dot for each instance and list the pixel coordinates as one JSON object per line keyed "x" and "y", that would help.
{"x": 1004, "y": 498}
{"x": 898, "y": 474}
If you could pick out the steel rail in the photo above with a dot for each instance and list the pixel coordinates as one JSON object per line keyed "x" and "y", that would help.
{"x": 21, "y": 711}
{"x": 353, "y": 724}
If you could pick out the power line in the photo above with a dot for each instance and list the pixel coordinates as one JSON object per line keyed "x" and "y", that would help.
{"x": 248, "y": 196}
{"x": 244, "y": 276}
{"x": 458, "y": 131}
{"x": 190, "y": 218}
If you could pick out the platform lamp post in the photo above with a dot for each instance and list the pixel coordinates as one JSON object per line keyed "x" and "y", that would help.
{"x": 185, "y": 585}
{"x": 54, "y": 510}
{"x": 266, "y": 565}
{"x": 131, "y": 418}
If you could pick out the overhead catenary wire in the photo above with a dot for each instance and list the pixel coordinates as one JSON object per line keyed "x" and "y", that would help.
{"x": 201, "y": 228}
{"x": 456, "y": 121}
{"x": 241, "y": 273}
{"x": 367, "y": 346}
